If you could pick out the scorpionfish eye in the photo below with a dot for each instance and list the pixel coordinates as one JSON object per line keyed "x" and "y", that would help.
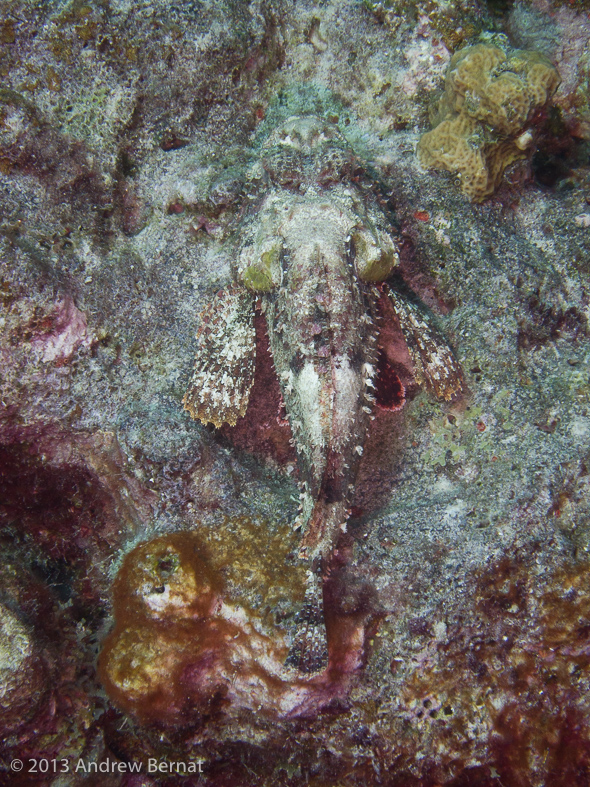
{"x": 375, "y": 254}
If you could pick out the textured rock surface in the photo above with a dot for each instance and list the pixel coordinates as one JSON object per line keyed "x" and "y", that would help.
{"x": 459, "y": 595}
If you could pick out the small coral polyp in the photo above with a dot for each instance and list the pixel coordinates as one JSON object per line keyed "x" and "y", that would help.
{"x": 485, "y": 122}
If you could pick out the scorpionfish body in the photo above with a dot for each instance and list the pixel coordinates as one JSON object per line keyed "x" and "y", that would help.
{"x": 315, "y": 248}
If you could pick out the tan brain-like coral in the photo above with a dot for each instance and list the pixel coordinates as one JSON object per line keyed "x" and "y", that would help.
{"x": 486, "y": 115}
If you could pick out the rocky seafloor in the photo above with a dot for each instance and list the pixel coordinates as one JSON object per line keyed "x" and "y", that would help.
{"x": 458, "y": 610}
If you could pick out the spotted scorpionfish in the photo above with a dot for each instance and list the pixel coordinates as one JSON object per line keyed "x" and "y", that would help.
{"x": 315, "y": 249}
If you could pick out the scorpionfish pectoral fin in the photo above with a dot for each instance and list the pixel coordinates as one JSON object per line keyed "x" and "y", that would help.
{"x": 225, "y": 359}
{"x": 435, "y": 366}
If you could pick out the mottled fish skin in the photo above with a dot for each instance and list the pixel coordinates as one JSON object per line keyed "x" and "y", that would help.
{"x": 322, "y": 337}
{"x": 315, "y": 247}
{"x": 321, "y": 316}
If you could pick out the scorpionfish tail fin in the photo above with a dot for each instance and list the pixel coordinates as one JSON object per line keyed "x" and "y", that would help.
{"x": 225, "y": 359}
{"x": 435, "y": 366}
{"x": 309, "y": 647}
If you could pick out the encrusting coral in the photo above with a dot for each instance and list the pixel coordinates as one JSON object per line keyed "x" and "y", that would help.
{"x": 492, "y": 96}
{"x": 182, "y": 651}
{"x": 22, "y": 676}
